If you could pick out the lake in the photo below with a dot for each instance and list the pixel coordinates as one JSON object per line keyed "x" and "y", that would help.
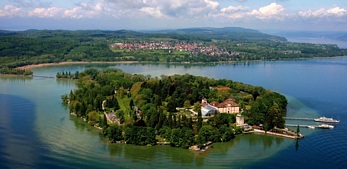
{"x": 36, "y": 130}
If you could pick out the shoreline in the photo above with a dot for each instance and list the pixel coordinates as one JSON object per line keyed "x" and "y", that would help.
{"x": 145, "y": 62}
{"x": 72, "y": 63}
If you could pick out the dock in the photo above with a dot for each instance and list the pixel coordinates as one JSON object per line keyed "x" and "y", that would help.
{"x": 322, "y": 126}
{"x": 286, "y": 135}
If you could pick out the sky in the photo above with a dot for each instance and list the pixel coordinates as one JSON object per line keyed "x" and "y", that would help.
{"x": 317, "y": 15}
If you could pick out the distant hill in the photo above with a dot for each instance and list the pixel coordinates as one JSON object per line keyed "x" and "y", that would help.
{"x": 198, "y": 34}
{"x": 226, "y": 33}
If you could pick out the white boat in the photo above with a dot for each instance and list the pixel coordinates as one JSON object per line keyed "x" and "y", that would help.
{"x": 326, "y": 120}
{"x": 311, "y": 127}
{"x": 326, "y": 126}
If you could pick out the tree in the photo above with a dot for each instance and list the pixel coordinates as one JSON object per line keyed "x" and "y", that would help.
{"x": 186, "y": 104}
{"x": 199, "y": 120}
{"x": 140, "y": 135}
{"x": 120, "y": 115}
{"x": 171, "y": 105}
{"x": 93, "y": 117}
{"x": 197, "y": 107}
{"x": 226, "y": 133}
{"x": 182, "y": 137}
{"x": 208, "y": 133}
{"x": 113, "y": 133}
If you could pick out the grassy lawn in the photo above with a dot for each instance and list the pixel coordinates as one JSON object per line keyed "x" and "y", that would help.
{"x": 124, "y": 104}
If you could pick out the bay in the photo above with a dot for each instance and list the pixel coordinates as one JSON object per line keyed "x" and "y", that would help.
{"x": 36, "y": 130}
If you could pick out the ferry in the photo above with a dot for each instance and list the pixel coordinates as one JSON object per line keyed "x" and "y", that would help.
{"x": 310, "y": 127}
{"x": 326, "y": 120}
{"x": 325, "y": 126}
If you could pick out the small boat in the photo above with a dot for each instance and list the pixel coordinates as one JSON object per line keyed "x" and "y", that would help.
{"x": 326, "y": 126}
{"x": 326, "y": 120}
{"x": 311, "y": 127}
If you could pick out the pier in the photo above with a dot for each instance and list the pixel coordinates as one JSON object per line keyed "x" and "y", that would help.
{"x": 322, "y": 126}
{"x": 300, "y": 125}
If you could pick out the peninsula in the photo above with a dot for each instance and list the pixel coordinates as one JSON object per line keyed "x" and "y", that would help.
{"x": 193, "y": 45}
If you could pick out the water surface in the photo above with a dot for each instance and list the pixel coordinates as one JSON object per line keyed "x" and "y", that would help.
{"x": 36, "y": 130}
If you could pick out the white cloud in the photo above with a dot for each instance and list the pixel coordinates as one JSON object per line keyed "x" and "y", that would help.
{"x": 335, "y": 11}
{"x": 46, "y": 12}
{"x": 156, "y": 12}
{"x": 10, "y": 10}
{"x": 128, "y": 4}
{"x": 74, "y": 13}
{"x": 269, "y": 11}
{"x": 212, "y": 4}
{"x": 233, "y": 9}
{"x": 86, "y": 10}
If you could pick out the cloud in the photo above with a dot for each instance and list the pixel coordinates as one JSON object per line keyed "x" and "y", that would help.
{"x": 269, "y": 11}
{"x": 212, "y": 4}
{"x": 155, "y": 12}
{"x": 74, "y": 13}
{"x": 319, "y": 13}
{"x": 233, "y": 9}
{"x": 11, "y": 10}
{"x": 86, "y": 10}
{"x": 46, "y": 12}
{"x": 128, "y": 4}
{"x": 166, "y": 8}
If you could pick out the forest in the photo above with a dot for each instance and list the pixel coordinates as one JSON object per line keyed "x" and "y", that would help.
{"x": 145, "y": 110}
{"x": 20, "y": 48}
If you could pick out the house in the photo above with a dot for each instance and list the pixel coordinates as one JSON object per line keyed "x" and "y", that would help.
{"x": 227, "y": 106}
{"x": 207, "y": 109}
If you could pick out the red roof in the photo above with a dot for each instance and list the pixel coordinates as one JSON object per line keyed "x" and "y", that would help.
{"x": 223, "y": 88}
{"x": 226, "y": 103}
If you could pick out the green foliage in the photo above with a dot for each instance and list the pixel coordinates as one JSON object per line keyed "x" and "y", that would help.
{"x": 6, "y": 70}
{"x": 140, "y": 135}
{"x": 113, "y": 133}
{"x": 208, "y": 133}
{"x": 182, "y": 137}
{"x": 151, "y": 107}
{"x": 93, "y": 117}
{"x": 268, "y": 109}
{"x": 222, "y": 119}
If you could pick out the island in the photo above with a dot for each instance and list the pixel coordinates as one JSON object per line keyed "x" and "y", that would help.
{"x": 180, "y": 110}
{"x": 187, "y": 46}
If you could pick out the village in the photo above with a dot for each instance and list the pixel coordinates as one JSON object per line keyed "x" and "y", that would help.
{"x": 192, "y": 48}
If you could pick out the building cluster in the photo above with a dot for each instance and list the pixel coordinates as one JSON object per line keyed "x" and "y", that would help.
{"x": 192, "y": 48}
{"x": 228, "y": 106}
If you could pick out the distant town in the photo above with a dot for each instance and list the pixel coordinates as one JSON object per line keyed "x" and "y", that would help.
{"x": 192, "y": 48}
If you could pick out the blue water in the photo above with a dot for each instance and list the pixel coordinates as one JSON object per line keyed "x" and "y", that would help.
{"x": 36, "y": 130}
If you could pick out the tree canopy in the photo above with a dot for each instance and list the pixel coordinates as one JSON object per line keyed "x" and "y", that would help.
{"x": 146, "y": 108}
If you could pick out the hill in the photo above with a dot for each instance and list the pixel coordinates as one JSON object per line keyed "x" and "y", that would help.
{"x": 226, "y": 33}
